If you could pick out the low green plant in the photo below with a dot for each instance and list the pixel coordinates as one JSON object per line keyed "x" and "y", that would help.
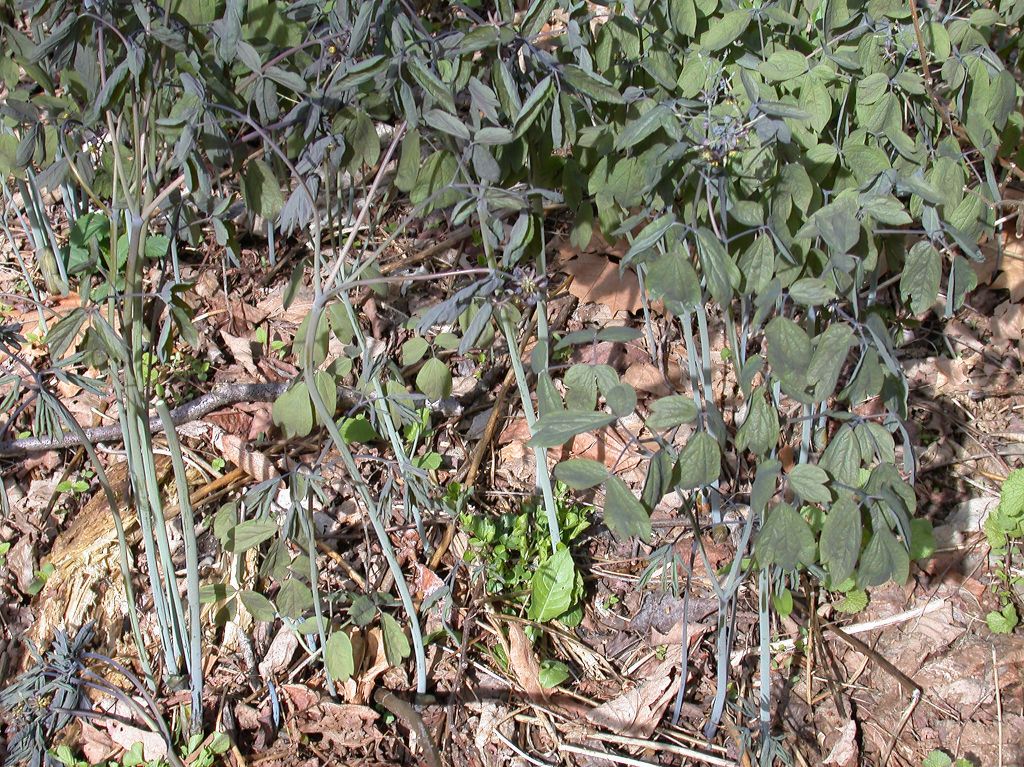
{"x": 939, "y": 758}
{"x": 197, "y": 753}
{"x": 1004, "y": 529}
{"x": 515, "y": 553}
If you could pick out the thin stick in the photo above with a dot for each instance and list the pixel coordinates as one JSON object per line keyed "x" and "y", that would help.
{"x": 999, "y": 705}
{"x": 668, "y": 748}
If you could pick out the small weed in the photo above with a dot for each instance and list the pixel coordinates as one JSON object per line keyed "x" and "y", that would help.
{"x": 515, "y": 552}
{"x": 1004, "y": 529}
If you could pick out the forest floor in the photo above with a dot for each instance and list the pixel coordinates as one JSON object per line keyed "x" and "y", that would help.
{"x": 916, "y": 669}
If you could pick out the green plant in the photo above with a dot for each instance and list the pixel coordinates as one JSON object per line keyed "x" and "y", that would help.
{"x": 199, "y": 752}
{"x": 1004, "y": 529}
{"x": 516, "y": 556}
{"x": 937, "y": 758}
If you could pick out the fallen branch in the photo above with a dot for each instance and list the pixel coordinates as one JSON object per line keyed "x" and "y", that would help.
{"x": 220, "y": 396}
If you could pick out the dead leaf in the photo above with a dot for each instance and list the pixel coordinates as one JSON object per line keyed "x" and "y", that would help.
{"x": 241, "y": 350}
{"x": 346, "y": 725}
{"x": 279, "y": 654}
{"x": 597, "y": 280}
{"x": 125, "y": 735}
{"x": 234, "y": 450}
{"x": 524, "y": 663}
{"x": 636, "y": 713}
{"x": 97, "y": 747}
{"x": 1007, "y": 322}
{"x": 845, "y": 752}
{"x": 302, "y": 697}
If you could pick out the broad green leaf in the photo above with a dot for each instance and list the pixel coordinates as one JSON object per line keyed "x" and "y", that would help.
{"x": 262, "y": 190}
{"x": 532, "y": 106}
{"x": 700, "y": 462}
{"x": 446, "y": 123}
{"x": 320, "y": 342}
{"x": 551, "y": 587}
{"x": 358, "y": 429}
{"x": 581, "y": 388}
{"x": 623, "y": 513}
{"x": 811, "y": 291}
{"x": 555, "y": 429}
{"x": 434, "y": 380}
{"x": 621, "y": 398}
{"x": 830, "y": 351}
{"x": 589, "y": 84}
{"x": 810, "y": 482}
{"x": 884, "y": 559}
{"x": 671, "y": 277}
{"x": 432, "y": 84}
{"x": 669, "y": 412}
{"x": 294, "y": 598}
{"x": 783, "y": 65}
{"x": 760, "y": 430}
{"x": 1003, "y": 621}
{"x": 261, "y": 608}
{"x": 338, "y": 657}
{"x": 922, "y": 275}
{"x": 922, "y": 539}
{"x": 842, "y": 457}
{"x": 840, "y": 538}
{"x": 725, "y": 30}
{"x": 719, "y": 270}
{"x": 785, "y": 540}
{"x": 757, "y": 265}
{"x": 581, "y": 473}
{"x": 396, "y": 645}
{"x": 853, "y": 602}
{"x": 552, "y": 673}
{"x": 789, "y": 355}
{"x": 249, "y": 534}
{"x": 414, "y": 349}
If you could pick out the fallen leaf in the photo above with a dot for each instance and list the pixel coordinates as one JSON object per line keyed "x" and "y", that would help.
{"x": 279, "y": 654}
{"x": 1007, "y": 322}
{"x": 845, "y": 752}
{"x": 241, "y": 350}
{"x": 636, "y": 713}
{"x": 345, "y": 725}
{"x": 597, "y": 279}
{"x": 125, "y": 735}
{"x": 97, "y": 746}
{"x": 524, "y": 663}
{"x": 234, "y": 450}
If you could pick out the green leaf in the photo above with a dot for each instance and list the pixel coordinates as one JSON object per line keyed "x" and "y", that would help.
{"x": 840, "y": 538}
{"x": 852, "y": 602}
{"x": 555, "y": 429}
{"x": 884, "y": 559}
{"x": 783, "y": 603}
{"x": 358, "y": 429}
{"x": 249, "y": 534}
{"x": 581, "y": 473}
{"x": 532, "y": 106}
{"x": 581, "y": 388}
{"x": 621, "y": 398}
{"x": 810, "y": 482}
{"x": 672, "y": 277}
{"x": 396, "y": 645}
{"x": 830, "y": 351}
{"x": 725, "y": 30}
{"x": 413, "y": 350}
{"x": 261, "y": 190}
{"x": 669, "y": 412}
{"x": 552, "y": 673}
{"x": 789, "y": 355}
{"x": 1004, "y": 621}
{"x": 261, "y": 608}
{"x": 293, "y": 411}
{"x": 937, "y": 758}
{"x": 432, "y": 84}
{"x": 783, "y": 65}
{"x": 922, "y": 539}
{"x": 785, "y": 540}
{"x": 551, "y": 587}
{"x": 434, "y": 380}
{"x": 294, "y": 598}
{"x": 338, "y": 657}
{"x": 760, "y": 430}
{"x": 446, "y": 123}
{"x": 623, "y": 513}
{"x": 922, "y": 275}
{"x": 700, "y": 462}
{"x": 719, "y": 270}
{"x": 811, "y": 291}
{"x": 590, "y": 84}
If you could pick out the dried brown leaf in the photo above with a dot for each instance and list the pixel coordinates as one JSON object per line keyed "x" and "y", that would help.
{"x": 597, "y": 279}
{"x": 636, "y": 713}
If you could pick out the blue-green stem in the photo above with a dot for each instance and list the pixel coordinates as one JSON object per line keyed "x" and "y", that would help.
{"x": 188, "y": 534}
